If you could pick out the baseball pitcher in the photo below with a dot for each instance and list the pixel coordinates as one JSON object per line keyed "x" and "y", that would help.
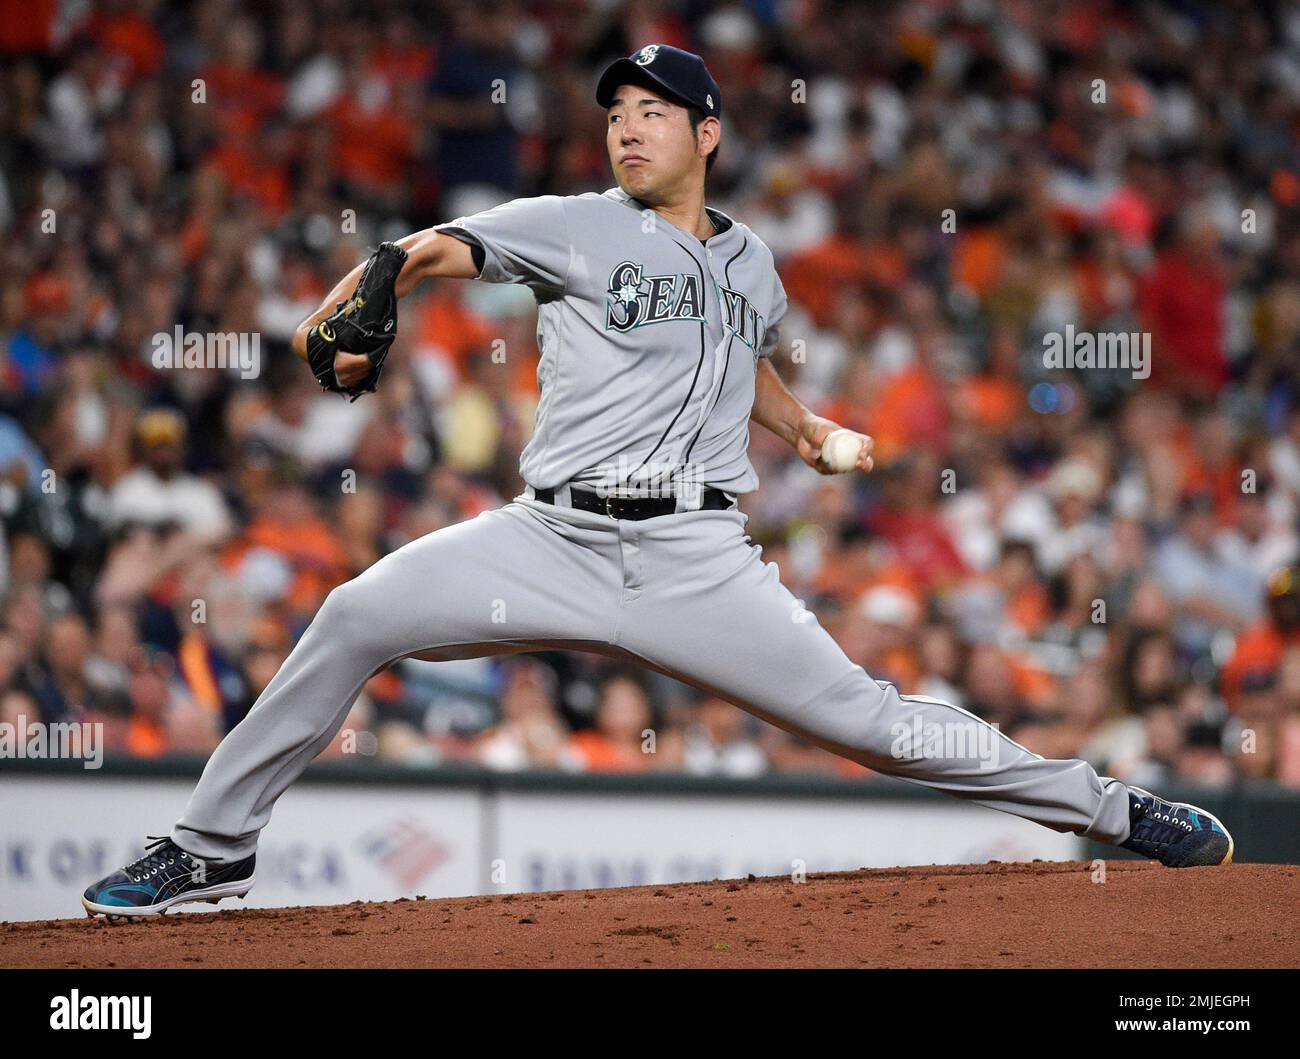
{"x": 657, "y": 316}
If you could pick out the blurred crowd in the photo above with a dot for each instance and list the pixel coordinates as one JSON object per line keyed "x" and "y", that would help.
{"x": 1103, "y": 564}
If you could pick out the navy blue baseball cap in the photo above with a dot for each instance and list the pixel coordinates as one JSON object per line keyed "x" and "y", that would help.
{"x": 682, "y": 75}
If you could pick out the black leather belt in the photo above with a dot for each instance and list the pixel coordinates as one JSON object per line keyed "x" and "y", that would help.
{"x": 634, "y": 507}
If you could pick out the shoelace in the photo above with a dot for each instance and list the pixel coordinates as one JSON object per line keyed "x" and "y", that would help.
{"x": 1158, "y": 827}
{"x": 159, "y": 856}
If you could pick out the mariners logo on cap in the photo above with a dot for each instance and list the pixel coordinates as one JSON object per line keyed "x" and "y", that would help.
{"x": 647, "y": 55}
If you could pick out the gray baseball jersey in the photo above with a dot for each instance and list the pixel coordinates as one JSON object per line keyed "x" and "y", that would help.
{"x": 649, "y": 338}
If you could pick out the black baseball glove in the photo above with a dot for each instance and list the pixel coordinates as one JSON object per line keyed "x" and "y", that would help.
{"x": 365, "y": 324}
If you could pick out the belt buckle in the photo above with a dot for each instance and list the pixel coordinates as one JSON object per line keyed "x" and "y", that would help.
{"x": 609, "y": 500}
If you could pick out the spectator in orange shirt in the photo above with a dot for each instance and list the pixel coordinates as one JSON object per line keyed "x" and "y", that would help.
{"x": 616, "y": 743}
{"x": 146, "y": 733}
{"x": 978, "y": 259}
{"x": 131, "y": 39}
{"x": 993, "y": 401}
{"x": 846, "y": 257}
{"x": 1257, "y": 654}
{"x": 1027, "y": 605}
{"x": 373, "y": 140}
{"x": 449, "y": 327}
{"x": 258, "y": 168}
{"x": 290, "y": 529}
{"x": 908, "y": 411}
{"x": 241, "y": 93}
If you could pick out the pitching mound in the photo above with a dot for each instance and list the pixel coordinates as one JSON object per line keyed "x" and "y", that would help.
{"x": 992, "y": 915}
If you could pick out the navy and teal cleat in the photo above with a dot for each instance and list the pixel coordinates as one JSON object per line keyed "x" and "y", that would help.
{"x": 1174, "y": 833}
{"x": 165, "y": 876}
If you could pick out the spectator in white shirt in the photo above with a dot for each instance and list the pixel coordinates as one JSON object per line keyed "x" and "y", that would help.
{"x": 158, "y": 494}
{"x": 1257, "y": 540}
{"x": 718, "y": 744}
{"x": 1211, "y": 592}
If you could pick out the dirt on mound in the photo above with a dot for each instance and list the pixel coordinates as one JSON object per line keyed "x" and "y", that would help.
{"x": 991, "y": 915}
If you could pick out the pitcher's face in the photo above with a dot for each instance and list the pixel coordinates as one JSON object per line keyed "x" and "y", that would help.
{"x": 652, "y": 149}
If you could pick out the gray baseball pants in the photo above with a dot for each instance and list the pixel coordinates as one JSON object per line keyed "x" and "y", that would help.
{"x": 686, "y": 594}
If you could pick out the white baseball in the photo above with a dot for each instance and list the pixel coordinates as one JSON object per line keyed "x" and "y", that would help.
{"x": 841, "y": 449}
